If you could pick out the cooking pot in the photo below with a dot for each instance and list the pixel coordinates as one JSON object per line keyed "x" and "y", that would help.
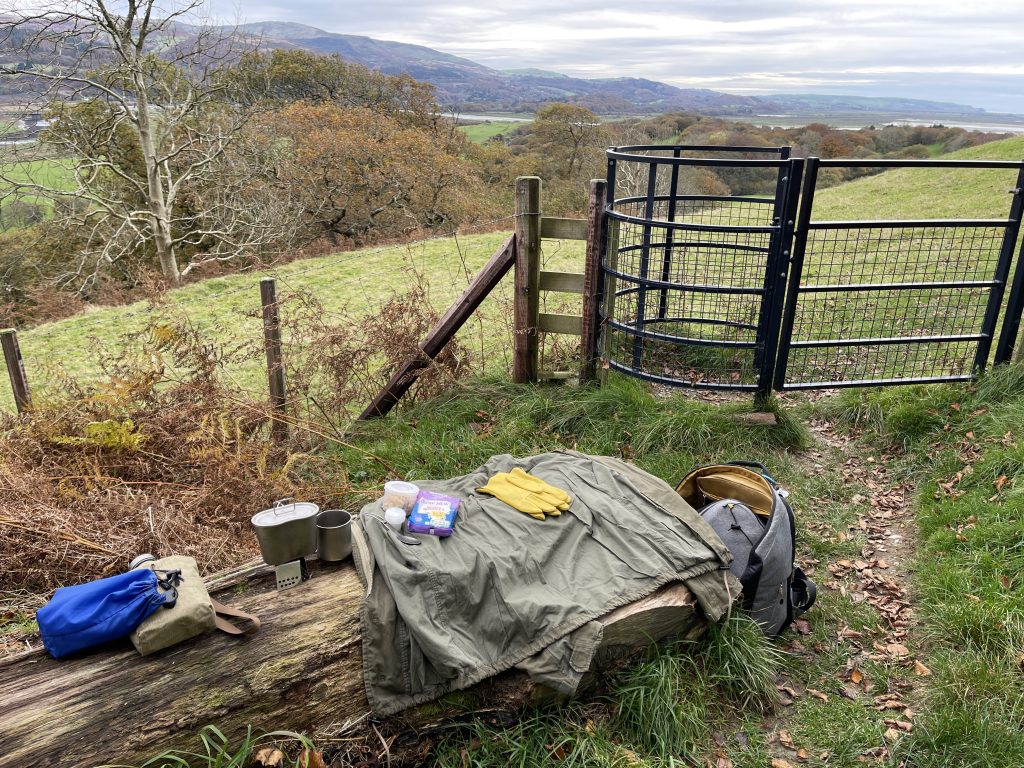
{"x": 286, "y": 531}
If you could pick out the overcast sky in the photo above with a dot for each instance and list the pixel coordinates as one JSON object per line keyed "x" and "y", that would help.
{"x": 968, "y": 52}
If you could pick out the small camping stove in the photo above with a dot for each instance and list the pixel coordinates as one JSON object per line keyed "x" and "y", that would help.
{"x": 291, "y": 574}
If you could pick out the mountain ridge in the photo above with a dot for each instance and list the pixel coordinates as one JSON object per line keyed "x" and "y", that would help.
{"x": 470, "y": 86}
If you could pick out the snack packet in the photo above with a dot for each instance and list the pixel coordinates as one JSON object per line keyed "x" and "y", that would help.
{"x": 434, "y": 513}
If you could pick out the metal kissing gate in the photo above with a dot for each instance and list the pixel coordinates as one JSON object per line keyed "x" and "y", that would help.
{"x": 727, "y": 268}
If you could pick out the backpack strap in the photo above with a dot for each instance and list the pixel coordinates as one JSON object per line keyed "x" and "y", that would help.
{"x": 803, "y": 591}
{"x": 229, "y": 627}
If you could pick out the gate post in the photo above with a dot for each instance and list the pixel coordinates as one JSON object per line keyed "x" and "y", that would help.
{"x": 591, "y": 279}
{"x": 526, "y": 305}
{"x": 1015, "y": 304}
{"x": 605, "y": 299}
{"x": 275, "y": 359}
{"x": 775, "y": 284}
{"x": 16, "y": 370}
{"x": 795, "y": 271}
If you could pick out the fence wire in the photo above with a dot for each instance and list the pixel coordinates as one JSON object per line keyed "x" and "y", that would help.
{"x": 341, "y": 290}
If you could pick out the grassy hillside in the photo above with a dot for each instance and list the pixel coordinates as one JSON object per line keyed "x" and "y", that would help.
{"x": 356, "y": 281}
{"x": 928, "y": 192}
{"x": 226, "y": 309}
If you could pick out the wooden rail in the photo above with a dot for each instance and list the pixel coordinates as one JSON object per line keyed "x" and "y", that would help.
{"x": 444, "y": 330}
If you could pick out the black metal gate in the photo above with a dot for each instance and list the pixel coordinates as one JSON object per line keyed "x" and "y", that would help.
{"x": 699, "y": 249}
{"x": 891, "y": 300}
{"x": 696, "y": 263}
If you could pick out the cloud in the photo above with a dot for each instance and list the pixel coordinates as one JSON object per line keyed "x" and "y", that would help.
{"x": 934, "y": 49}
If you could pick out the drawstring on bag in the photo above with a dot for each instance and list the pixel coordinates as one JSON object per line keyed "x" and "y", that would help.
{"x": 169, "y": 582}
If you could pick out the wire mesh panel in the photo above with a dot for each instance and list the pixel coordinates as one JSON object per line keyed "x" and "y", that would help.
{"x": 894, "y": 301}
{"x": 695, "y": 247}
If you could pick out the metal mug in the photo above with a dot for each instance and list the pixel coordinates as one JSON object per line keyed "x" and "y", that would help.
{"x": 334, "y": 535}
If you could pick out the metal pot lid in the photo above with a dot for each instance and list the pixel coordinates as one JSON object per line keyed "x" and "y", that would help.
{"x": 299, "y": 510}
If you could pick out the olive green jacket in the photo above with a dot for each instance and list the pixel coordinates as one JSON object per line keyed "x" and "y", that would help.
{"x": 506, "y": 590}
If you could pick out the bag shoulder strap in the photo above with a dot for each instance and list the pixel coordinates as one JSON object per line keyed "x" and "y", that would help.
{"x": 227, "y": 626}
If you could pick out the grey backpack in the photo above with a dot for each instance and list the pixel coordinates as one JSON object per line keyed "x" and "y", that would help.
{"x": 751, "y": 514}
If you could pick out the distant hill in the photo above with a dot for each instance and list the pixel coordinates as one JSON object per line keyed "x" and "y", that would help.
{"x": 469, "y": 86}
{"x": 472, "y": 87}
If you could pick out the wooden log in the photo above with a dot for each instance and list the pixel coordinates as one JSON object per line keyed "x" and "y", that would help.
{"x": 275, "y": 358}
{"x": 302, "y": 671}
{"x": 16, "y": 369}
{"x": 444, "y": 330}
{"x": 525, "y": 338}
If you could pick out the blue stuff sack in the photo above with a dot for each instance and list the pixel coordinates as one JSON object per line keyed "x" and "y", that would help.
{"x": 96, "y": 612}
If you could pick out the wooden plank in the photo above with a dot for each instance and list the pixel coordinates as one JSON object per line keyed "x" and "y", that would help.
{"x": 562, "y": 282}
{"x": 275, "y": 358}
{"x": 16, "y": 370}
{"x": 525, "y": 347}
{"x": 563, "y": 229}
{"x": 590, "y": 332}
{"x": 444, "y": 330}
{"x": 568, "y": 324}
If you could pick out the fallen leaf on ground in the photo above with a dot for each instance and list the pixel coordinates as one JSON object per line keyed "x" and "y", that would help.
{"x": 856, "y": 676}
{"x": 310, "y": 758}
{"x": 270, "y": 757}
{"x": 778, "y": 762}
{"x": 921, "y": 670}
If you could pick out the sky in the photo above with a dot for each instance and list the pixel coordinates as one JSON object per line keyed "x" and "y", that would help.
{"x": 966, "y": 52}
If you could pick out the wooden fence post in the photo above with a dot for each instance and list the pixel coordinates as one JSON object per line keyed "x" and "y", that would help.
{"x": 275, "y": 357}
{"x": 592, "y": 280}
{"x": 525, "y": 340}
{"x": 16, "y": 369}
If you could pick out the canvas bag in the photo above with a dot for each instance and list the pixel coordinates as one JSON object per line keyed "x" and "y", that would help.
{"x": 752, "y": 515}
{"x": 192, "y": 613}
{"x": 85, "y": 615}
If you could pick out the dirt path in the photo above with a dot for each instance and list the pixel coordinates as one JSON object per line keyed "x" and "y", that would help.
{"x": 881, "y": 672}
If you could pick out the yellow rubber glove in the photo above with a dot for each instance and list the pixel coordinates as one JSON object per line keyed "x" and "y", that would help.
{"x": 501, "y": 488}
{"x": 542, "y": 490}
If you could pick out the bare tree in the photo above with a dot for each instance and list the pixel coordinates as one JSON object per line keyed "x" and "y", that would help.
{"x": 140, "y": 115}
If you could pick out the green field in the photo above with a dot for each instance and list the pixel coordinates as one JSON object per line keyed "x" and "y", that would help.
{"x": 57, "y": 174}
{"x": 356, "y": 282}
{"x": 226, "y": 309}
{"x": 481, "y": 133}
